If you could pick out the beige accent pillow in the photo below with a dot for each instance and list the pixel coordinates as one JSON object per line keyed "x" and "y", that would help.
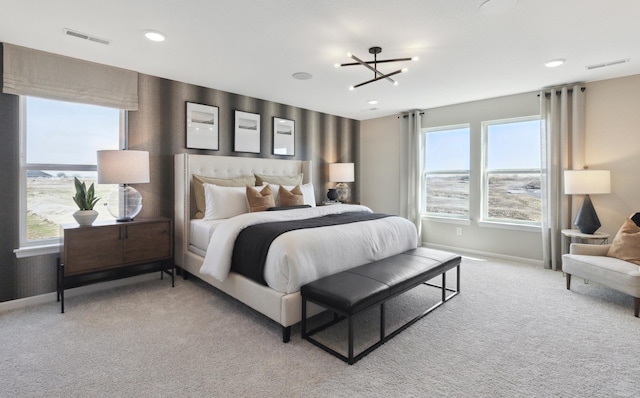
{"x": 198, "y": 188}
{"x": 626, "y": 244}
{"x": 290, "y": 198}
{"x": 260, "y": 201}
{"x": 262, "y": 179}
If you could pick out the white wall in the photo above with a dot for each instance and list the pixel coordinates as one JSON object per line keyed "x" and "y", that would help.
{"x": 612, "y": 142}
{"x": 379, "y": 172}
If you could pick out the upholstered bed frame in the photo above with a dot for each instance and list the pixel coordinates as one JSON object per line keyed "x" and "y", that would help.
{"x": 282, "y": 308}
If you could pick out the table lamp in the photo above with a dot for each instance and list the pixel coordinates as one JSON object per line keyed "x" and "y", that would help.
{"x": 587, "y": 182}
{"x": 341, "y": 173}
{"x": 123, "y": 167}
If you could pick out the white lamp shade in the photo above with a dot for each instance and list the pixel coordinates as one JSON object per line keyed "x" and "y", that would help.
{"x": 587, "y": 182}
{"x": 123, "y": 167}
{"x": 341, "y": 172}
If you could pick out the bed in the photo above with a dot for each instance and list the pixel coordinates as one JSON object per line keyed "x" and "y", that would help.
{"x": 194, "y": 255}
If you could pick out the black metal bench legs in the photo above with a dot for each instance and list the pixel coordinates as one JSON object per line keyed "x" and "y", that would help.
{"x": 340, "y": 315}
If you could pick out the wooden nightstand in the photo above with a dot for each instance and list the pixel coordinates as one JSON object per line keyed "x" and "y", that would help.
{"x": 108, "y": 245}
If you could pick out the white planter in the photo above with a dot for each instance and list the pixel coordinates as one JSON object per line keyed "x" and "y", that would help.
{"x": 85, "y": 217}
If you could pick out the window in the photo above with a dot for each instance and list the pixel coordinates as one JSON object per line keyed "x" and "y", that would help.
{"x": 59, "y": 140}
{"x": 511, "y": 171}
{"x": 445, "y": 176}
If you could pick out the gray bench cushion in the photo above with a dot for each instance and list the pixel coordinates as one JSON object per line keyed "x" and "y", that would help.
{"x": 356, "y": 289}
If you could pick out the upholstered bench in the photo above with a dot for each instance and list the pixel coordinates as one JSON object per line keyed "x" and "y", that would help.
{"x": 352, "y": 291}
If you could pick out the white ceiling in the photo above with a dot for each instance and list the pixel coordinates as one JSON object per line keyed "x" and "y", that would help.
{"x": 253, "y": 47}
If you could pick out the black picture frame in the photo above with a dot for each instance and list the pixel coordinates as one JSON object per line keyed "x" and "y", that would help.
{"x": 202, "y": 127}
{"x": 246, "y": 137}
{"x": 284, "y": 136}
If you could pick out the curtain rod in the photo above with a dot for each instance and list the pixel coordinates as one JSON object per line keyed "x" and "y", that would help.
{"x": 404, "y": 116}
{"x": 546, "y": 94}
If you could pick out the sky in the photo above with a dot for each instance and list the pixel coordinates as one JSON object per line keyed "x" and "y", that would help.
{"x": 514, "y": 145}
{"x": 68, "y": 133}
{"x": 509, "y": 145}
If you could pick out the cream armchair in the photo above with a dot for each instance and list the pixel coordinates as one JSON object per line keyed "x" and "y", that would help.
{"x": 591, "y": 263}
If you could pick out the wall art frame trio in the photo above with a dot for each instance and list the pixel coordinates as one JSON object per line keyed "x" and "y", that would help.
{"x": 203, "y": 130}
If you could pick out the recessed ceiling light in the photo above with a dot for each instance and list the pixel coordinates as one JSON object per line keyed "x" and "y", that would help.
{"x": 154, "y": 35}
{"x": 302, "y": 76}
{"x": 555, "y": 62}
{"x": 372, "y": 102}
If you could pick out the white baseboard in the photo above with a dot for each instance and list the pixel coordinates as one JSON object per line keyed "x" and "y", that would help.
{"x": 485, "y": 255}
{"x": 96, "y": 287}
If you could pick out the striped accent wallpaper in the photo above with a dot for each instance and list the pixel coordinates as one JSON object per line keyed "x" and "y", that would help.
{"x": 160, "y": 123}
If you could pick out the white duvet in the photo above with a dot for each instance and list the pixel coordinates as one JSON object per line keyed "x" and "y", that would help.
{"x": 299, "y": 257}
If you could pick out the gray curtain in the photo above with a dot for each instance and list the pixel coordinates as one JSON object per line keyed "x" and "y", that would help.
{"x": 563, "y": 120}
{"x": 410, "y": 169}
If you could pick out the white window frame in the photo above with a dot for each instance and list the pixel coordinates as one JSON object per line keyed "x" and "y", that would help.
{"x": 453, "y": 218}
{"x": 52, "y": 245}
{"x": 485, "y": 220}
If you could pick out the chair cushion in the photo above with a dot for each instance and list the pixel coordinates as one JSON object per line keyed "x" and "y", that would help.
{"x": 617, "y": 274}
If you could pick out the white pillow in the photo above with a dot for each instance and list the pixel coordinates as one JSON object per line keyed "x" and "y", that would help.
{"x": 308, "y": 194}
{"x": 224, "y": 202}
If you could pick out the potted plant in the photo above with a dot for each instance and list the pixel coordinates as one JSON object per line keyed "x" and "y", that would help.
{"x": 85, "y": 200}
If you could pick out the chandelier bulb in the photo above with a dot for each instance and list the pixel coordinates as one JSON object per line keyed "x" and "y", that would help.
{"x": 415, "y": 58}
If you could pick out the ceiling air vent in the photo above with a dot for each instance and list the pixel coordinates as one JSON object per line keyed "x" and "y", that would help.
{"x": 85, "y": 36}
{"x": 605, "y": 64}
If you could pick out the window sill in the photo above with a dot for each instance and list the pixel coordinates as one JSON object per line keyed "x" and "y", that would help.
{"x": 447, "y": 220}
{"x": 30, "y": 251}
{"x": 505, "y": 225}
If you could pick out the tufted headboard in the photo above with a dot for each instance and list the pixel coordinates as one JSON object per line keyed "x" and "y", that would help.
{"x": 220, "y": 167}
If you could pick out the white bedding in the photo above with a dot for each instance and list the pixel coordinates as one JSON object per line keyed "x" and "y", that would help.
{"x": 299, "y": 257}
{"x": 200, "y": 232}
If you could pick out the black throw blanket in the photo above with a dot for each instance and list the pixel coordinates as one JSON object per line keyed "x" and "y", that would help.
{"x": 253, "y": 242}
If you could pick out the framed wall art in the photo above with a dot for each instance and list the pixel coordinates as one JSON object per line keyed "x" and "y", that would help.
{"x": 284, "y": 136}
{"x": 247, "y": 132}
{"x": 202, "y": 126}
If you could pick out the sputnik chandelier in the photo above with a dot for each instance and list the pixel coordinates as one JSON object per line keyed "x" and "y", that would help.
{"x": 377, "y": 75}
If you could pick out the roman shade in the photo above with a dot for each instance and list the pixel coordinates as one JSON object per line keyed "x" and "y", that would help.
{"x": 42, "y": 74}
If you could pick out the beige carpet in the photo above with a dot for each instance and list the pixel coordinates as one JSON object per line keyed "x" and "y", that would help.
{"x": 513, "y": 331}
